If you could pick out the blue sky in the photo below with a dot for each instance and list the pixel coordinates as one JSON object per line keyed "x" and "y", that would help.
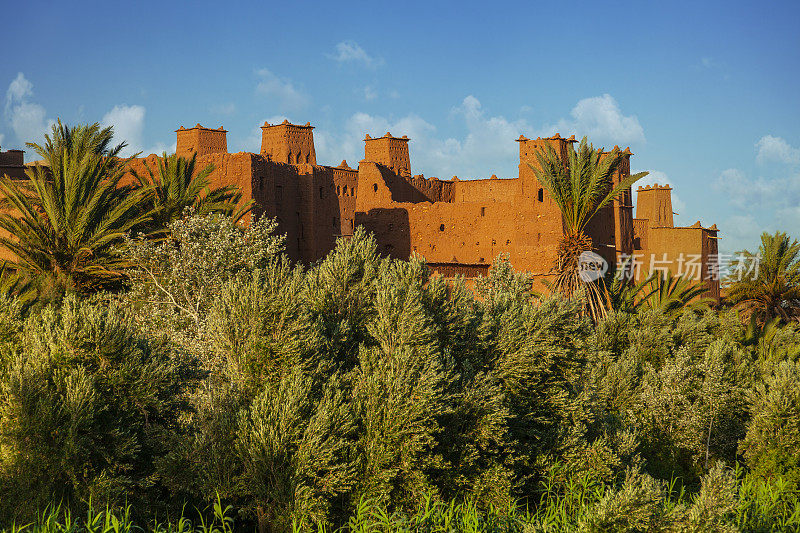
{"x": 705, "y": 93}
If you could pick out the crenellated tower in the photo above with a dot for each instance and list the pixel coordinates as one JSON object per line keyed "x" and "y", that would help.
{"x": 531, "y": 188}
{"x": 200, "y": 141}
{"x": 289, "y": 143}
{"x": 654, "y": 203}
{"x": 390, "y": 152}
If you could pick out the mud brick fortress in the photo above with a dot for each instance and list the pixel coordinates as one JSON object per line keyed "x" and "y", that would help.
{"x": 458, "y": 226}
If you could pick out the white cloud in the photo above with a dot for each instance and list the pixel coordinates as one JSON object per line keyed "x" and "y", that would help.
{"x": 740, "y": 232}
{"x": 19, "y": 90}
{"x": 486, "y": 147}
{"x": 760, "y": 204}
{"x": 761, "y": 193}
{"x": 772, "y": 148}
{"x": 128, "y": 123}
{"x": 488, "y": 142}
{"x": 28, "y": 119}
{"x": 601, "y": 120}
{"x": 282, "y": 90}
{"x": 350, "y": 51}
{"x": 370, "y": 93}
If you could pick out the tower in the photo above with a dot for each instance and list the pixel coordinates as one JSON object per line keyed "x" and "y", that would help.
{"x": 390, "y": 152}
{"x": 201, "y": 141}
{"x": 527, "y": 157}
{"x": 288, "y": 143}
{"x": 654, "y": 203}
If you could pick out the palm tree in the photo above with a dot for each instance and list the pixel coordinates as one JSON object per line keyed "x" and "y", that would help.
{"x": 580, "y": 186}
{"x": 624, "y": 295}
{"x": 15, "y": 286}
{"x": 671, "y": 293}
{"x": 174, "y": 186}
{"x": 67, "y": 218}
{"x": 772, "y": 290}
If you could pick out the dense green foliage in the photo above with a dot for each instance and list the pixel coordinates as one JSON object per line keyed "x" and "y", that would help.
{"x": 301, "y": 395}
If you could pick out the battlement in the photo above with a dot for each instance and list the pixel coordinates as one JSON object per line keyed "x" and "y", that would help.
{"x": 653, "y": 187}
{"x": 529, "y": 147}
{"x": 201, "y": 141}
{"x": 288, "y": 143}
{"x": 389, "y": 151}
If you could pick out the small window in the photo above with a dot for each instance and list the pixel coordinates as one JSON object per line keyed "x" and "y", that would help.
{"x": 483, "y": 211}
{"x": 322, "y": 192}
{"x": 441, "y": 227}
{"x": 391, "y": 226}
{"x": 541, "y": 195}
{"x": 375, "y": 187}
{"x": 307, "y": 158}
{"x": 338, "y": 190}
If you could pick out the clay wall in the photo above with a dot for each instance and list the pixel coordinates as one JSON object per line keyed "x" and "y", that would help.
{"x": 389, "y": 151}
{"x": 487, "y": 190}
{"x": 687, "y": 251}
{"x": 12, "y": 158}
{"x": 200, "y": 140}
{"x": 451, "y": 270}
{"x": 640, "y": 231}
{"x": 456, "y": 232}
{"x": 12, "y": 164}
{"x": 343, "y": 184}
{"x": 623, "y": 209}
{"x": 654, "y": 203}
{"x": 433, "y": 189}
{"x": 288, "y": 143}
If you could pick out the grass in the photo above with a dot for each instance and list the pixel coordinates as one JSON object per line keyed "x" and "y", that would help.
{"x": 763, "y": 505}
